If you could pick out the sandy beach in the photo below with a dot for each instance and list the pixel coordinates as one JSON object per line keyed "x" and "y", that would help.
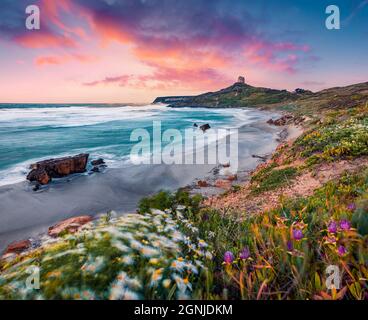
{"x": 26, "y": 214}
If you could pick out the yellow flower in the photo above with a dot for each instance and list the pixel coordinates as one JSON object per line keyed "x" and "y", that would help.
{"x": 153, "y": 261}
{"x": 157, "y": 274}
{"x": 166, "y": 283}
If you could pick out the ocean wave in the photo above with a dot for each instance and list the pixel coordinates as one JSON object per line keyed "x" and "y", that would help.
{"x": 73, "y": 116}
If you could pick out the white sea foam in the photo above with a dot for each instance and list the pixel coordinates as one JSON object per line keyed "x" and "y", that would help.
{"x": 73, "y": 116}
{"x": 115, "y": 157}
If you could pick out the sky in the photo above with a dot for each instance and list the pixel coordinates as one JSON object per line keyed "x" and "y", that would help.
{"x": 131, "y": 51}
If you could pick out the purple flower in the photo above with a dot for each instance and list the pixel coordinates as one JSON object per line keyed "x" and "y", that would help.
{"x": 341, "y": 250}
{"x": 290, "y": 246}
{"x": 245, "y": 253}
{"x": 332, "y": 227}
{"x": 228, "y": 257}
{"x": 351, "y": 206}
{"x": 345, "y": 224}
{"x": 330, "y": 239}
{"x": 297, "y": 234}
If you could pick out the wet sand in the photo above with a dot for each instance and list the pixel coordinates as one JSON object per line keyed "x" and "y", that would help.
{"x": 25, "y": 213}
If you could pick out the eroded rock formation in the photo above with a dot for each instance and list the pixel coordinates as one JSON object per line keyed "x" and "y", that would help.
{"x": 43, "y": 171}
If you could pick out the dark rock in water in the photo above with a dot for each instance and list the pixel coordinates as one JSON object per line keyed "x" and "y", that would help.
{"x": 95, "y": 169}
{"x": 44, "y": 171}
{"x": 195, "y": 125}
{"x": 37, "y": 187}
{"x": 205, "y": 127}
{"x": 97, "y": 162}
{"x": 40, "y": 175}
{"x": 18, "y": 247}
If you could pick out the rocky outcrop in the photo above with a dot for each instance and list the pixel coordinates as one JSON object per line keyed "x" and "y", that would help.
{"x": 205, "y": 127}
{"x": 97, "y": 162}
{"x": 18, "y": 247}
{"x": 202, "y": 184}
{"x": 44, "y": 171}
{"x": 71, "y": 225}
{"x": 287, "y": 119}
{"x": 223, "y": 184}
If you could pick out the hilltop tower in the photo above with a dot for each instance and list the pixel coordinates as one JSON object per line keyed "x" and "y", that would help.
{"x": 241, "y": 80}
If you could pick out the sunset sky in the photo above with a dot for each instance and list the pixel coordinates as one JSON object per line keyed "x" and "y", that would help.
{"x": 135, "y": 50}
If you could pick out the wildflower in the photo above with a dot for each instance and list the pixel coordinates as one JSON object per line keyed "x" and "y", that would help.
{"x": 297, "y": 234}
{"x": 342, "y": 250}
{"x": 331, "y": 239}
{"x": 149, "y": 251}
{"x": 166, "y": 283}
{"x": 156, "y": 277}
{"x": 211, "y": 234}
{"x": 202, "y": 244}
{"x": 344, "y": 225}
{"x": 153, "y": 261}
{"x": 228, "y": 257}
{"x": 208, "y": 255}
{"x": 351, "y": 206}
{"x": 245, "y": 253}
{"x": 290, "y": 246}
{"x": 332, "y": 227}
{"x": 127, "y": 260}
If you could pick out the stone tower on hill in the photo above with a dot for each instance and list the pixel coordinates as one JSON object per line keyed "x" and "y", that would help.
{"x": 241, "y": 79}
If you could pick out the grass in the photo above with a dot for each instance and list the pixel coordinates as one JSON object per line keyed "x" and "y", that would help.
{"x": 270, "y": 179}
{"x": 334, "y": 140}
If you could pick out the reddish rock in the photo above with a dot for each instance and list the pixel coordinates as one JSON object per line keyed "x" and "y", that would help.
{"x": 203, "y": 184}
{"x": 232, "y": 177}
{"x": 223, "y": 184}
{"x": 18, "y": 247}
{"x": 284, "y": 120}
{"x": 71, "y": 225}
{"x": 44, "y": 171}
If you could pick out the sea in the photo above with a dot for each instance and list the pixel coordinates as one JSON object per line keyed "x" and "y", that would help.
{"x": 34, "y": 132}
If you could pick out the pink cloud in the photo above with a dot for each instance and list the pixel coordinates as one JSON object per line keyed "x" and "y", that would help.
{"x": 62, "y": 59}
{"x": 44, "y": 39}
{"x": 167, "y": 78}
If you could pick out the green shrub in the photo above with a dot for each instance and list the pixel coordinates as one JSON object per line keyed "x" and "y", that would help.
{"x": 166, "y": 200}
{"x": 273, "y": 179}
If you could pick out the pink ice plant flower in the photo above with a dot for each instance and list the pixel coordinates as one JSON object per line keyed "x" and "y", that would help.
{"x": 332, "y": 227}
{"x": 345, "y": 225}
{"x": 341, "y": 250}
{"x": 245, "y": 253}
{"x": 228, "y": 257}
{"x": 351, "y": 206}
{"x": 298, "y": 234}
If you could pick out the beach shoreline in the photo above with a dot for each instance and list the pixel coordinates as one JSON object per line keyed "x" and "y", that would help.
{"x": 28, "y": 215}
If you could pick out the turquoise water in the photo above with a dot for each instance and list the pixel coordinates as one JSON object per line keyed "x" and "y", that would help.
{"x": 32, "y": 132}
